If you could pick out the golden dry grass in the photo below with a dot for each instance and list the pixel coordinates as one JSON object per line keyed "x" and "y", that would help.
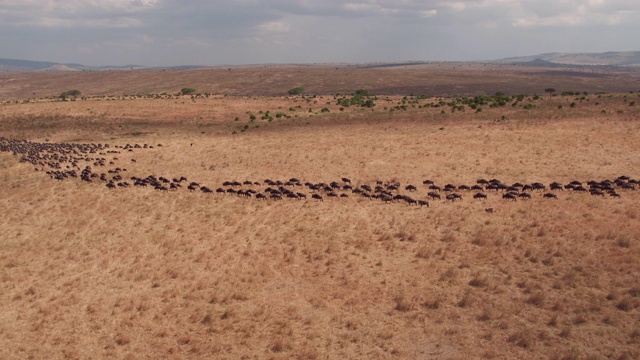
{"x": 86, "y": 272}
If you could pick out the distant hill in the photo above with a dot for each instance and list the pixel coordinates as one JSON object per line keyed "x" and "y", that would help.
{"x": 609, "y": 59}
{"x": 612, "y": 58}
{"x": 18, "y": 65}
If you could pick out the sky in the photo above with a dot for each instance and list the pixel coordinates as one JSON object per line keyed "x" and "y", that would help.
{"x": 217, "y": 32}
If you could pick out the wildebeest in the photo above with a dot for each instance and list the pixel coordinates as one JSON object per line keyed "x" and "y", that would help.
{"x": 433, "y": 195}
{"x": 317, "y": 197}
{"x": 510, "y": 196}
{"x": 480, "y": 195}
{"x": 550, "y": 196}
{"x": 524, "y": 196}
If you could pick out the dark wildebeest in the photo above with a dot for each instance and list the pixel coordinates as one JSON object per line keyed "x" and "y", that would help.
{"x": 524, "y": 196}
{"x": 480, "y": 195}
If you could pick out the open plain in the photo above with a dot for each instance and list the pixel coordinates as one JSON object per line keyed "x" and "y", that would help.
{"x": 88, "y": 271}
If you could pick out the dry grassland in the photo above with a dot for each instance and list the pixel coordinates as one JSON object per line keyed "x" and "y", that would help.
{"x": 88, "y": 272}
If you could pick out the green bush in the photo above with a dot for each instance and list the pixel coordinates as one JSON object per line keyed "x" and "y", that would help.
{"x": 296, "y": 90}
{"x": 187, "y": 91}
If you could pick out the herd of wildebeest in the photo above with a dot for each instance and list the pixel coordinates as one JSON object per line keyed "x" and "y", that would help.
{"x": 97, "y": 163}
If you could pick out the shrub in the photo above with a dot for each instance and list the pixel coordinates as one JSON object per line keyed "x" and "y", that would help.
{"x": 187, "y": 91}
{"x": 70, "y": 93}
{"x": 296, "y": 90}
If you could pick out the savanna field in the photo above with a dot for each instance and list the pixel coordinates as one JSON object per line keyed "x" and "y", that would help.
{"x": 159, "y": 270}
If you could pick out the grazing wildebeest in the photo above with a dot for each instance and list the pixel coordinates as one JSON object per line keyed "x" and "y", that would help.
{"x": 489, "y": 210}
{"x": 524, "y": 196}
{"x": 453, "y": 197}
{"x": 423, "y": 203}
{"x": 550, "y": 196}
{"x": 539, "y": 186}
{"x": 556, "y": 186}
{"x": 410, "y": 188}
{"x": 317, "y": 197}
{"x": 433, "y": 195}
{"x": 480, "y": 195}
{"x": 261, "y": 197}
{"x": 205, "y": 189}
{"x": 614, "y": 194}
{"x": 596, "y": 192}
{"x": 427, "y": 182}
{"x": 346, "y": 180}
{"x": 510, "y": 196}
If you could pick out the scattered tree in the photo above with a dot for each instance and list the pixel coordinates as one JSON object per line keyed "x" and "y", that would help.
{"x": 70, "y": 93}
{"x": 550, "y": 91}
{"x": 187, "y": 91}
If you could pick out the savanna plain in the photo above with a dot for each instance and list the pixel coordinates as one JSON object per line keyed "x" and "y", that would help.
{"x": 89, "y": 271}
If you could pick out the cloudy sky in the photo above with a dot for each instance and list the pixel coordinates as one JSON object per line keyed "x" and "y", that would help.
{"x": 216, "y": 32}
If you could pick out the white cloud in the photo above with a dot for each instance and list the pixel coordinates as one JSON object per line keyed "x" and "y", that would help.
{"x": 274, "y": 27}
{"x": 428, "y": 13}
{"x": 70, "y": 13}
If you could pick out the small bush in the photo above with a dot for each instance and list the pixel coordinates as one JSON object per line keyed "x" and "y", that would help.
{"x": 296, "y": 91}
